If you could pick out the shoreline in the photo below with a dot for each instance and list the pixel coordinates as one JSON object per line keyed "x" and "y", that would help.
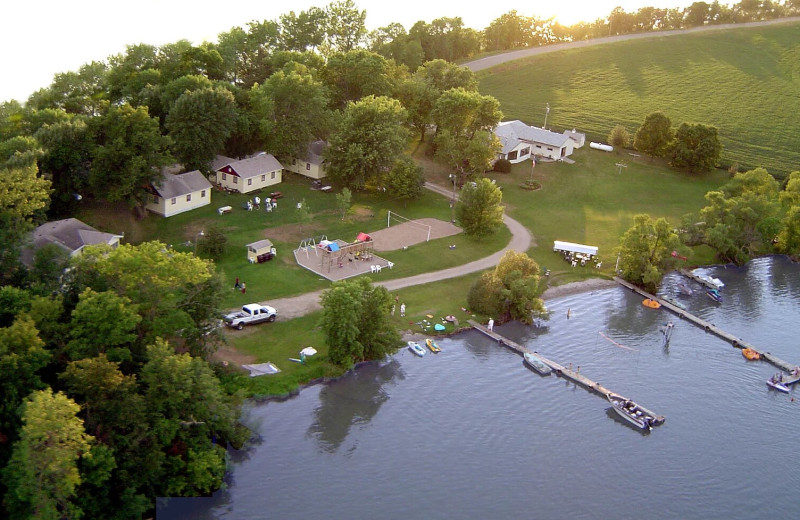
{"x": 568, "y": 289}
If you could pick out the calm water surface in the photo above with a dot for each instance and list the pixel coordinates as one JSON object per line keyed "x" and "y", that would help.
{"x": 472, "y": 433}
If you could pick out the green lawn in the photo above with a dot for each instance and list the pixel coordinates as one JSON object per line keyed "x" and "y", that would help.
{"x": 282, "y": 276}
{"x": 744, "y": 81}
{"x": 590, "y": 202}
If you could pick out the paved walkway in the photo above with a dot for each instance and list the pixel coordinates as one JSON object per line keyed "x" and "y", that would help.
{"x": 296, "y": 306}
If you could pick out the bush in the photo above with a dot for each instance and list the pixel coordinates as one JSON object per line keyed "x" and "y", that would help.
{"x": 502, "y": 166}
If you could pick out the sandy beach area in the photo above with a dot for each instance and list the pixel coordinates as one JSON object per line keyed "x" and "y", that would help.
{"x": 568, "y": 289}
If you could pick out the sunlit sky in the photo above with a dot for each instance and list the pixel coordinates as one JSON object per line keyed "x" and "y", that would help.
{"x": 39, "y": 38}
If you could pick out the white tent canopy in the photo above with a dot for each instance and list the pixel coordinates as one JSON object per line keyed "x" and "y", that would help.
{"x": 558, "y": 245}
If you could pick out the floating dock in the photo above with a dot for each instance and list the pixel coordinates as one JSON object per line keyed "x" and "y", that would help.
{"x": 559, "y": 369}
{"x": 708, "y": 327}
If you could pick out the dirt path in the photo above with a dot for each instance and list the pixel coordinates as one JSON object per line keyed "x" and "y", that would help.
{"x": 492, "y": 61}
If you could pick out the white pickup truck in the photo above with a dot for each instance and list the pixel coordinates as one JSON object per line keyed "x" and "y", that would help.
{"x": 250, "y": 314}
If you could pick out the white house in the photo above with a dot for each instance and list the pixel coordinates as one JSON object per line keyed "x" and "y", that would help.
{"x": 178, "y": 193}
{"x": 312, "y": 165}
{"x": 69, "y": 234}
{"x": 250, "y": 174}
{"x": 519, "y": 141}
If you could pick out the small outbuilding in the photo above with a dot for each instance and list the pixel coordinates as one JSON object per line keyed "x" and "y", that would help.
{"x": 261, "y": 251}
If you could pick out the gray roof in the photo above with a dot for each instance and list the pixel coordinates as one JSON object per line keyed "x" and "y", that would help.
{"x": 314, "y": 152}
{"x": 511, "y": 133}
{"x": 69, "y": 234}
{"x": 261, "y": 163}
{"x": 183, "y": 184}
{"x": 260, "y": 244}
{"x": 220, "y": 161}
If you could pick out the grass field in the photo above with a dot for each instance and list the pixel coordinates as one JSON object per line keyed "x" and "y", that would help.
{"x": 592, "y": 202}
{"x": 282, "y": 276}
{"x": 744, "y": 81}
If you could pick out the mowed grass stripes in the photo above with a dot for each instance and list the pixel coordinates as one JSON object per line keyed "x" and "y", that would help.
{"x": 744, "y": 81}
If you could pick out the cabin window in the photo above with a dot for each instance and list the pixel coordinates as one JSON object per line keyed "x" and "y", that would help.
{"x": 308, "y": 166}
{"x": 512, "y": 155}
{"x": 236, "y": 180}
{"x": 272, "y": 176}
{"x": 174, "y": 200}
{"x": 203, "y": 194}
{"x": 525, "y": 151}
{"x": 539, "y": 146}
{"x": 224, "y": 176}
{"x": 549, "y": 149}
{"x": 189, "y": 197}
{"x": 249, "y": 182}
{"x": 263, "y": 177}
{"x": 155, "y": 199}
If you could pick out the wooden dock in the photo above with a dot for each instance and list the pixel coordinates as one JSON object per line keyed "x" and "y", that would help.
{"x": 573, "y": 375}
{"x": 709, "y": 327}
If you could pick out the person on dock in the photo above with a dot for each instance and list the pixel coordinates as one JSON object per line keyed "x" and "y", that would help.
{"x": 490, "y": 325}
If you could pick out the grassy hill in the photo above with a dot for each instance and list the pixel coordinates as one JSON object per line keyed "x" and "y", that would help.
{"x": 744, "y": 81}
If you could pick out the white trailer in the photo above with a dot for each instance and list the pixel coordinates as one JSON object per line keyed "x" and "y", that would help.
{"x": 571, "y": 247}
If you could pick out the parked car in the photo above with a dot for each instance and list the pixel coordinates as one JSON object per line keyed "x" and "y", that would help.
{"x": 250, "y": 314}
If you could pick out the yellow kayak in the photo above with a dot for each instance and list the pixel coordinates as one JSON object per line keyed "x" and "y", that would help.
{"x": 432, "y": 345}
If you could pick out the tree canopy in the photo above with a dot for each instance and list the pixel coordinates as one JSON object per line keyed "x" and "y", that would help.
{"x": 696, "y": 148}
{"x": 479, "y": 209}
{"x": 655, "y": 135}
{"x": 645, "y": 251}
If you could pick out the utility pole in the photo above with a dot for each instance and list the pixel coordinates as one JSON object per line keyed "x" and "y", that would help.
{"x": 546, "y": 112}
{"x": 453, "y": 200}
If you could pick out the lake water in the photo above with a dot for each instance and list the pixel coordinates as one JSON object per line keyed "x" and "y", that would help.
{"x": 472, "y": 433}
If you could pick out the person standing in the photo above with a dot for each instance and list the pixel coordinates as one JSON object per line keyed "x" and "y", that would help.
{"x": 244, "y": 288}
{"x": 490, "y": 326}
{"x": 402, "y": 309}
{"x": 236, "y": 284}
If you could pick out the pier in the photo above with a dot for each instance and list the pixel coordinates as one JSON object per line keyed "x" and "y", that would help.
{"x": 709, "y": 327}
{"x": 559, "y": 369}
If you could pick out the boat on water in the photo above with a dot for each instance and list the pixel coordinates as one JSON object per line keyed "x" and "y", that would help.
{"x": 536, "y": 363}
{"x": 714, "y": 295}
{"x": 751, "y": 354}
{"x": 674, "y": 302}
{"x": 414, "y": 347}
{"x": 710, "y": 280}
{"x": 647, "y": 302}
{"x": 685, "y": 289}
{"x": 432, "y": 346}
{"x": 631, "y": 412}
{"x": 776, "y": 383}
{"x": 792, "y": 378}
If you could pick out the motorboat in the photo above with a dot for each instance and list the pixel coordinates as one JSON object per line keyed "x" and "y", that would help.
{"x": 714, "y": 295}
{"x": 632, "y": 412}
{"x": 414, "y": 347}
{"x": 710, "y": 280}
{"x": 536, "y": 363}
{"x": 653, "y": 304}
{"x": 776, "y": 383}
{"x": 432, "y": 346}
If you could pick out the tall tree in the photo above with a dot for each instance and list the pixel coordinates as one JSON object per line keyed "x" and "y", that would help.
{"x": 356, "y": 322}
{"x": 645, "y": 251}
{"x": 292, "y": 108}
{"x": 66, "y": 160}
{"x": 129, "y": 154}
{"x": 355, "y": 74}
{"x": 510, "y": 291}
{"x": 696, "y": 148}
{"x": 368, "y": 141}
{"x": 479, "y": 209}
{"x": 42, "y": 476}
{"x": 102, "y": 323}
{"x": 303, "y": 31}
{"x": 199, "y": 123}
{"x": 345, "y": 26}
{"x": 654, "y": 136}
{"x": 406, "y": 179}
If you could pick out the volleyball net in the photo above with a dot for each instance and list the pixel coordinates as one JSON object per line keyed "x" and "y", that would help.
{"x": 396, "y": 218}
